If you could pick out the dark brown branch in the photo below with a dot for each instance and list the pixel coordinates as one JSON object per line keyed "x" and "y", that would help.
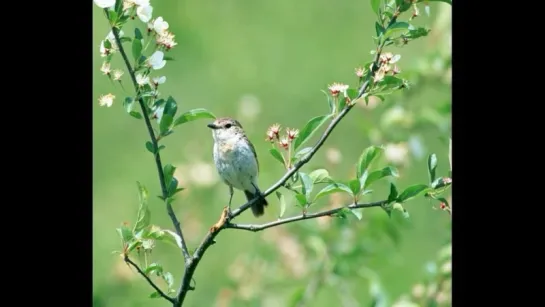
{"x": 308, "y": 216}
{"x": 154, "y": 142}
{"x": 166, "y": 297}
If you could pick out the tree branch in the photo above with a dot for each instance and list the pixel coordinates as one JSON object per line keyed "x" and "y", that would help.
{"x": 154, "y": 142}
{"x": 166, "y": 297}
{"x": 208, "y": 240}
{"x": 256, "y": 228}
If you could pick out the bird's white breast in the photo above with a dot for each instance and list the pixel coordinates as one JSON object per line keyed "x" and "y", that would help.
{"x": 236, "y": 163}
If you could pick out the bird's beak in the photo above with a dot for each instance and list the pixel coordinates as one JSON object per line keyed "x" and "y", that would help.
{"x": 212, "y": 126}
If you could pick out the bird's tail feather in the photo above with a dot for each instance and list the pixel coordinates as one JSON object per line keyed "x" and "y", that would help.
{"x": 258, "y": 208}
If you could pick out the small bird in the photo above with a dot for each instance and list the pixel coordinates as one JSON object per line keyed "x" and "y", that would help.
{"x": 236, "y": 161}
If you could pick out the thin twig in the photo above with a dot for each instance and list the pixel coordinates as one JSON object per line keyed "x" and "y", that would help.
{"x": 166, "y": 297}
{"x": 154, "y": 142}
{"x": 308, "y": 216}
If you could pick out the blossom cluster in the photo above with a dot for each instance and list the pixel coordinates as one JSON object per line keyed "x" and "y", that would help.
{"x": 157, "y": 29}
{"x": 273, "y": 133}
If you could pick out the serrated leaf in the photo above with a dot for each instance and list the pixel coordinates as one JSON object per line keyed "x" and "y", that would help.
{"x": 170, "y": 107}
{"x": 136, "y": 48}
{"x": 135, "y": 114}
{"x": 112, "y": 17}
{"x": 301, "y": 153}
{"x": 277, "y": 155}
{"x": 357, "y": 213}
{"x": 282, "y": 201}
{"x": 301, "y": 199}
{"x": 368, "y": 155}
{"x": 399, "y": 207}
{"x": 170, "y": 237}
{"x": 192, "y": 115}
{"x": 432, "y": 166}
{"x": 168, "y": 172}
{"x": 149, "y": 147}
{"x": 378, "y": 29}
{"x": 155, "y": 295}
{"x": 307, "y": 184}
{"x": 375, "y": 5}
{"x": 333, "y": 188}
{"x": 165, "y": 124}
{"x": 398, "y": 27}
{"x": 354, "y": 185}
{"x": 125, "y": 233}
{"x": 169, "y": 279}
{"x": 412, "y": 192}
{"x": 320, "y": 176}
{"x": 309, "y": 129}
{"x": 144, "y": 215}
{"x": 393, "y": 193}
{"x": 330, "y": 103}
{"x": 379, "y": 174}
{"x": 138, "y": 34}
{"x": 154, "y": 268}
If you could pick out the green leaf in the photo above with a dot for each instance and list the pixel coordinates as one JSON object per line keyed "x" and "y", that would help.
{"x": 412, "y": 192}
{"x": 362, "y": 180}
{"x": 342, "y": 213}
{"x": 168, "y": 172}
{"x": 309, "y": 130}
{"x": 128, "y": 104}
{"x": 320, "y": 176}
{"x": 416, "y": 33}
{"x": 282, "y": 201}
{"x": 107, "y": 44}
{"x": 149, "y": 147}
{"x": 193, "y": 115}
{"x": 144, "y": 215}
{"x": 169, "y": 279}
{"x": 354, "y": 185}
{"x": 398, "y": 27}
{"x": 307, "y": 183}
{"x": 393, "y": 193}
{"x": 135, "y": 114}
{"x": 330, "y": 103}
{"x": 445, "y": 1}
{"x": 368, "y": 155}
{"x": 399, "y": 207}
{"x": 112, "y": 17}
{"x": 165, "y": 124}
{"x": 168, "y": 58}
{"x": 378, "y": 29}
{"x": 357, "y": 213}
{"x": 301, "y": 153}
{"x": 301, "y": 199}
{"x": 377, "y": 175}
{"x": 154, "y": 267}
{"x": 134, "y": 244}
{"x": 136, "y": 49}
{"x": 391, "y": 82}
{"x": 375, "y": 5}
{"x": 125, "y": 233}
{"x": 170, "y": 237}
{"x": 138, "y": 34}
{"x": 170, "y": 107}
{"x": 333, "y": 188}
{"x": 277, "y": 155}
{"x": 172, "y": 186}
{"x": 432, "y": 165}
{"x": 155, "y": 295}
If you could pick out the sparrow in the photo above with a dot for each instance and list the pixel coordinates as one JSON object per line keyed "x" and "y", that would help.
{"x": 236, "y": 161}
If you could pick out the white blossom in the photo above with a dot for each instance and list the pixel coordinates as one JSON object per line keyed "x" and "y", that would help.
{"x": 156, "y": 60}
{"x": 144, "y": 12}
{"x": 104, "y": 3}
{"x": 106, "y": 100}
{"x": 159, "y": 25}
{"x": 142, "y": 80}
{"x": 159, "y": 80}
{"x": 105, "y": 69}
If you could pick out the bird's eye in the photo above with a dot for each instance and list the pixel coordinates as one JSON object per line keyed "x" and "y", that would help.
{"x": 228, "y": 126}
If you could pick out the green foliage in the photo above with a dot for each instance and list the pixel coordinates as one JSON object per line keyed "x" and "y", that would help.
{"x": 310, "y": 128}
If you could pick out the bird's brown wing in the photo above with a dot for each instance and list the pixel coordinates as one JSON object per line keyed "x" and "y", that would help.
{"x": 253, "y": 151}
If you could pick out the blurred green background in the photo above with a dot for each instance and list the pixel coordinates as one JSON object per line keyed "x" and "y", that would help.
{"x": 264, "y": 62}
